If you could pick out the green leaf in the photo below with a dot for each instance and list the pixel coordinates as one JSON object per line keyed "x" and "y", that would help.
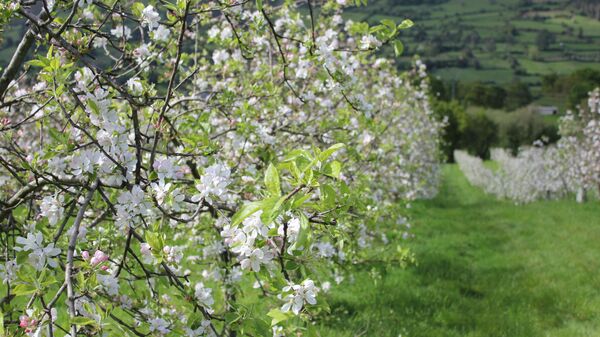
{"x": 80, "y": 279}
{"x": 271, "y": 207}
{"x": 80, "y": 320}
{"x": 333, "y": 169}
{"x": 303, "y": 234}
{"x": 259, "y": 5}
{"x": 260, "y": 327}
{"x": 137, "y": 9}
{"x": 327, "y": 196}
{"x": 377, "y": 28}
{"x": 299, "y": 199}
{"x": 389, "y": 23}
{"x": 154, "y": 241}
{"x": 405, "y": 24}
{"x": 272, "y": 180}
{"x": 398, "y": 47}
{"x": 55, "y": 64}
{"x": 278, "y": 316}
{"x": 49, "y": 280}
{"x": 24, "y": 289}
{"x": 331, "y": 150}
{"x": 308, "y": 177}
{"x": 2, "y": 332}
{"x": 245, "y": 211}
{"x": 232, "y": 317}
{"x": 290, "y": 166}
{"x": 291, "y": 265}
{"x": 37, "y": 63}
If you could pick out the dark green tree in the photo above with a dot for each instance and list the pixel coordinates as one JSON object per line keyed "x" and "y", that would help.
{"x": 479, "y": 135}
{"x": 544, "y": 39}
{"x": 517, "y": 95}
{"x": 456, "y": 121}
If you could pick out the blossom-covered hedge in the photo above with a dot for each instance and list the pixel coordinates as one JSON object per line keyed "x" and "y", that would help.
{"x": 542, "y": 172}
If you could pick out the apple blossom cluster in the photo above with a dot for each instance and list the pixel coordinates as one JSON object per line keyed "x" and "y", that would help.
{"x": 194, "y": 168}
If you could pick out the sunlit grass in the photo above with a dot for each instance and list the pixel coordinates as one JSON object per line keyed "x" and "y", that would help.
{"x": 485, "y": 268}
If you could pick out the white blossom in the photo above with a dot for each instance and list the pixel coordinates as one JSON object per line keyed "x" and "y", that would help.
{"x": 369, "y": 41}
{"x": 39, "y": 255}
{"x": 301, "y": 294}
{"x": 110, "y": 284}
{"x": 150, "y": 17}
{"x": 51, "y": 208}
{"x": 161, "y": 33}
{"x": 204, "y": 295}
{"x": 159, "y": 326}
{"x": 254, "y": 258}
{"x": 8, "y": 271}
{"x": 220, "y": 56}
{"x": 213, "y": 183}
{"x": 135, "y": 86}
{"x": 121, "y": 31}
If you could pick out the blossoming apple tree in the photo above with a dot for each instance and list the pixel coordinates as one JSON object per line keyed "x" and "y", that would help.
{"x": 580, "y": 146}
{"x": 195, "y": 168}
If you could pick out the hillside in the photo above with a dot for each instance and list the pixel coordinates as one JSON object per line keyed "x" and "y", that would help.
{"x": 494, "y": 40}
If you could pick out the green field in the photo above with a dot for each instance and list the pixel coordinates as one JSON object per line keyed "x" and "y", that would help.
{"x": 475, "y": 31}
{"x": 485, "y": 268}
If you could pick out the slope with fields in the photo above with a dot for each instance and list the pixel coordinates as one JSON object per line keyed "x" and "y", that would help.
{"x": 494, "y": 40}
{"x": 484, "y": 268}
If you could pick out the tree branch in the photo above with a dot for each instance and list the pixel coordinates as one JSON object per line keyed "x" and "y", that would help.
{"x": 71, "y": 251}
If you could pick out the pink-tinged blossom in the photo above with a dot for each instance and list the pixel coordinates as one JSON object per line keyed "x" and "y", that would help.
{"x": 99, "y": 257}
{"x": 253, "y": 226}
{"x": 172, "y": 255}
{"x": 293, "y": 229}
{"x": 29, "y": 324}
{"x": 130, "y": 204}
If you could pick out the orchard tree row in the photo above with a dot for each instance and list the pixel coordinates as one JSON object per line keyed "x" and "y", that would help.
{"x": 200, "y": 168}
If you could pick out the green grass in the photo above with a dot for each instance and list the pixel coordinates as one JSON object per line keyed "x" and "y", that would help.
{"x": 561, "y": 67}
{"x": 485, "y": 268}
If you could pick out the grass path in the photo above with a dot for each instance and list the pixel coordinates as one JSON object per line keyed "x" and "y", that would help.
{"x": 485, "y": 268}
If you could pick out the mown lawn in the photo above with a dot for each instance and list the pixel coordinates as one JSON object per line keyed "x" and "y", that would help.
{"x": 485, "y": 268}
